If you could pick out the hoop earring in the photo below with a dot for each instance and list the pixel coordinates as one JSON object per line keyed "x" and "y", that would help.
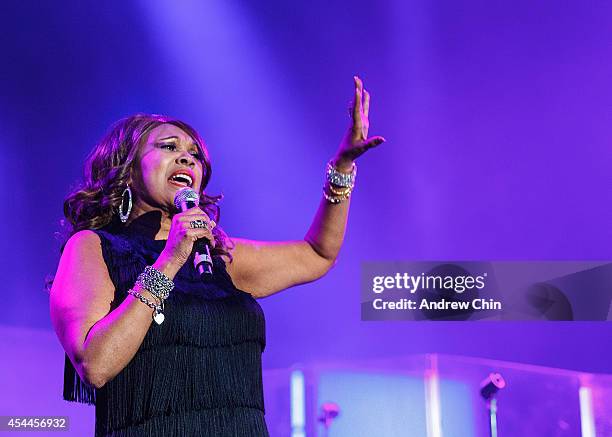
{"x": 126, "y": 203}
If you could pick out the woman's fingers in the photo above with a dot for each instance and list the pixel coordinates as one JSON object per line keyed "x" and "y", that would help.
{"x": 203, "y": 217}
{"x": 357, "y": 100}
{"x": 373, "y": 142}
{"x": 196, "y": 234}
{"x": 356, "y": 142}
{"x": 197, "y": 214}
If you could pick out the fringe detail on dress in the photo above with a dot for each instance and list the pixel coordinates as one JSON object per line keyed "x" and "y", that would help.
{"x": 178, "y": 379}
{"x": 218, "y": 422}
{"x": 75, "y": 390}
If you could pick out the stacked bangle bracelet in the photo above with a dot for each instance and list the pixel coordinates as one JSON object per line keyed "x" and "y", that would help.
{"x": 159, "y": 285}
{"x": 338, "y": 186}
{"x": 156, "y": 282}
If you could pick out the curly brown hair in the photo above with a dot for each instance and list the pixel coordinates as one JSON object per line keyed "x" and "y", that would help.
{"x": 108, "y": 168}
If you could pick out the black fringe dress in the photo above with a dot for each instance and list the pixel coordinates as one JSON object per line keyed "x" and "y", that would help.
{"x": 196, "y": 374}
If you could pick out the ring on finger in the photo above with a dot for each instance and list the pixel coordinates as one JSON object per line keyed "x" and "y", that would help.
{"x": 198, "y": 224}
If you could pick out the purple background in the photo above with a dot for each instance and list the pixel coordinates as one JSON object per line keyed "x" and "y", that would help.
{"x": 497, "y": 119}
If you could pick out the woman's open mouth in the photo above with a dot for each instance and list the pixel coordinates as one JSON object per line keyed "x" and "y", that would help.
{"x": 181, "y": 179}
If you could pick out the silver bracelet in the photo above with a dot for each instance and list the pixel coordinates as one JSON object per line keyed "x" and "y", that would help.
{"x": 156, "y": 282}
{"x": 341, "y": 179}
{"x": 158, "y": 310}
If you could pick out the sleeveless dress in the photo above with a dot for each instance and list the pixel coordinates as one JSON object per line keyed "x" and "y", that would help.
{"x": 198, "y": 373}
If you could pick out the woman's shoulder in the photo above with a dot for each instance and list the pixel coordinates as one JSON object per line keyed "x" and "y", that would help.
{"x": 98, "y": 240}
{"x": 89, "y": 237}
{"x": 85, "y": 239}
{"x": 83, "y": 247}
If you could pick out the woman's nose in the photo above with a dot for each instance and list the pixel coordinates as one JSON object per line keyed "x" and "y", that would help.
{"x": 186, "y": 159}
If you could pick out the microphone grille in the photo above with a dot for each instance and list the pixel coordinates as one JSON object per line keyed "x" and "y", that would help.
{"x": 185, "y": 195}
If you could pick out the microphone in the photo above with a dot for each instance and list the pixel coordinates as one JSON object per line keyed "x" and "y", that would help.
{"x": 184, "y": 199}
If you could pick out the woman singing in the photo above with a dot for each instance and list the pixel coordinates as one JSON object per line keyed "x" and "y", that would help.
{"x": 160, "y": 349}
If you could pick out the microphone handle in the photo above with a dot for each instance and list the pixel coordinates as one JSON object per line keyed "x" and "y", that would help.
{"x": 202, "y": 260}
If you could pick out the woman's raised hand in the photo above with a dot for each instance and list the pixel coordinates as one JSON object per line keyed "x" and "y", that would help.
{"x": 356, "y": 142}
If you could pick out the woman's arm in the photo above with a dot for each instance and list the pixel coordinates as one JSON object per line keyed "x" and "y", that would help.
{"x": 99, "y": 342}
{"x": 264, "y": 268}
